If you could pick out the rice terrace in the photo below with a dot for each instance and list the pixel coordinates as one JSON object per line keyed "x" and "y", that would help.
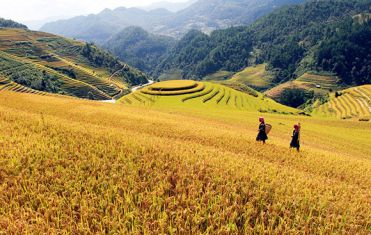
{"x": 200, "y": 117}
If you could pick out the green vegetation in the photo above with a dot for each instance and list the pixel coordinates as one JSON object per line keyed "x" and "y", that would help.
{"x": 8, "y": 85}
{"x": 53, "y": 64}
{"x": 11, "y": 24}
{"x": 346, "y": 52}
{"x": 295, "y": 97}
{"x": 197, "y": 54}
{"x": 139, "y": 48}
{"x": 311, "y": 88}
{"x": 291, "y": 41}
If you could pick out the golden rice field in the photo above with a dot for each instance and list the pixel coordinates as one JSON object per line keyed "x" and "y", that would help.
{"x": 203, "y": 95}
{"x": 322, "y": 85}
{"x": 324, "y": 82}
{"x": 173, "y": 87}
{"x": 112, "y": 168}
{"x": 354, "y": 102}
{"x": 255, "y": 76}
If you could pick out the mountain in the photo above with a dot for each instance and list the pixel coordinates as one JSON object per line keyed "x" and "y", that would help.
{"x": 100, "y": 27}
{"x": 37, "y": 24}
{"x": 35, "y": 61}
{"x": 170, "y": 6}
{"x": 198, "y": 54}
{"x": 11, "y": 24}
{"x": 209, "y": 15}
{"x": 139, "y": 48}
{"x": 291, "y": 40}
{"x": 204, "y": 15}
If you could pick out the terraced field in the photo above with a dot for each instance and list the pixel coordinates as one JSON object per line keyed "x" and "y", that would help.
{"x": 7, "y": 85}
{"x": 328, "y": 83}
{"x": 68, "y": 85}
{"x": 256, "y": 77}
{"x": 27, "y": 53}
{"x": 96, "y": 168}
{"x": 352, "y": 103}
{"x": 321, "y": 85}
{"x": 202, "y": 95}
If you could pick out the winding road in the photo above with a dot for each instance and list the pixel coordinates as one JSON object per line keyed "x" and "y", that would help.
{"x": 133, "y": 89}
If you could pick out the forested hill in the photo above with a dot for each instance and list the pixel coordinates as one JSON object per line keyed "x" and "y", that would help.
{"x": 139, "y": 48}
{"x": 10, "y": 24}
{"x": 291, "y": 40}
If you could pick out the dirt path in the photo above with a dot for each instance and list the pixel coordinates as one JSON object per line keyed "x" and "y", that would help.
{"x": 135, "y": 88}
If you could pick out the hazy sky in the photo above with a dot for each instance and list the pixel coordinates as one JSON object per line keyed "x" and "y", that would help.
{"x": 28, "y": 10}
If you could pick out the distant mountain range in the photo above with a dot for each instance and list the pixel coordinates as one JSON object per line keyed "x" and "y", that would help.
{"x": 209, "y": 15}
{"x": 170, "y": 6}
{"x": 100, "y": 27}
{"x": 204, "y": 15}
{"x": 318, "y": 36}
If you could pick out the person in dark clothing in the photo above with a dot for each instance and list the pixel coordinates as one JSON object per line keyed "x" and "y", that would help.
{"x": 295, "y": 141}
{"x": 262, "y": 135}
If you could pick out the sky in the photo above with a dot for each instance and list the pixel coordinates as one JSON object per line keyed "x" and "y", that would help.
{"x": 34, "y": 10}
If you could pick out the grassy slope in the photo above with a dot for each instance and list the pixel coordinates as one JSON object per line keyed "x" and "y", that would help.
{"x": 219, "y": 97}
{"x": 111, "y": 168}
{"x": 256, "y": 77}
{"x": 308, "y": 82}
{"x": 219, "y": 76}
{"x": 354, "y": 102}
{"x": 27, "y": 50}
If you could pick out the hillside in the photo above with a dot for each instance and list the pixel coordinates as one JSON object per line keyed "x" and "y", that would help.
{"x": 210, "y": 15}
{"x": 307, "y": 88}
{"x": 139, "y": 48}
{"x": 354, "y": 102}
{"x": 8, "y": 85}
{"x": 50, "y": 63}
{"x": 203, "y": 95}
{"x": 198, "y": 54}
{"x": 170, "y": 6}
{"x": 204, "y": 15}
{"x": 106, "y": 168}
{"x": 291, "y": 40}
{"x": 256, "y": 77}
{"x": 11, "y": 24}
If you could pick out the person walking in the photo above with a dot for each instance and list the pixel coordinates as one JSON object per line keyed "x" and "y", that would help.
{"x": 262, "y": 135}
{"x": 295, "y": 141}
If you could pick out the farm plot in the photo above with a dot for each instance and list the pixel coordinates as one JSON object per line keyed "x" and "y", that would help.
{"x": 96, "y": 168}
{"x": 350, "y": 103}
{"x": 202, "y": 95}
